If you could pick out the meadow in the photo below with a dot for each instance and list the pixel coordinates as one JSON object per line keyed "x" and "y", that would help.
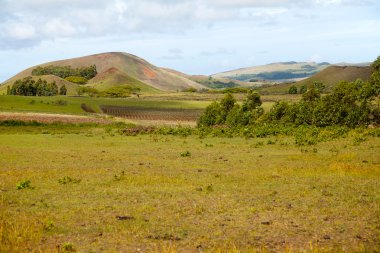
{"x": 72, "y": 105}
{"x": 89, "y": 188}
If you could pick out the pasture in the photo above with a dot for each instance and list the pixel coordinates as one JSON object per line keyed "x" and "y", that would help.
{"x": 88, "y": 188}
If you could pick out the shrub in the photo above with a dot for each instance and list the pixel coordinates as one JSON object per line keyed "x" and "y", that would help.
{"x": 69, "y": 180}
{"x": 186, "y": 154}
{"x": 211, "y": 115}
{"x": 24, "y": 185}
{"x": 293, "y": 90}
{"x": 190, "y": 89}
{"x": 68, "y": 247}
{"x": 76, "y": 79}
{"x": 61, "y": 102}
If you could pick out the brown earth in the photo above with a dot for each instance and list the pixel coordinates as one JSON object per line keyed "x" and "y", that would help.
{"x": 51, "y": 118}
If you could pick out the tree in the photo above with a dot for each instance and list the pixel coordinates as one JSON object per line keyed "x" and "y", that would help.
{"x": 226, "y": 105}
{"x": 211, "y": 115}
{"x": 293, "y": 90}
{"x": 8, "y": 90}
{"x": 62, "y": 90}
{"x": 252, "y": 101}
{"x": 319, "y": 86}
{"x": 375, "y": 77}
{"x": 311, "y": 94}
{"x": 303, "y": 89}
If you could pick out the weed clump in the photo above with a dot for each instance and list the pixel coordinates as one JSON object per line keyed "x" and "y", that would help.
{"x": 69, "y": 180}
{"x": 119, "y": 177}
{"x": 68, "y": 247}
{"x": 186, "y": 154}
{"x": 24, "y": 185}
{"x": 49, "y": 226}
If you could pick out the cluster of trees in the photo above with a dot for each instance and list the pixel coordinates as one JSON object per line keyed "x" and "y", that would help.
{"x": 320, "y": 86}
{"x": 29, "y": 87}
{"x": 114, "y": 92}
{"x": 228, "y": 112}
{"x": 86, "y": 73}
{"x": 349, "y": 104}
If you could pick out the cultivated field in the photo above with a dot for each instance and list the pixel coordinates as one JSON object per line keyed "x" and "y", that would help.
{"x": 89, "y": 189}
{"x": 139, "y": 113}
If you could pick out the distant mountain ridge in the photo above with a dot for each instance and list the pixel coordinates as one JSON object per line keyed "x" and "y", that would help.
{"x": 330, "y": 76}
{"x": 278, "y": 72}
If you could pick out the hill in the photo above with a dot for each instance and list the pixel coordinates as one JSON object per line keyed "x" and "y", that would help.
{"x": 329, "y": 76}
{"x": 275, "y": 72}
{"x": 123, "y": 69}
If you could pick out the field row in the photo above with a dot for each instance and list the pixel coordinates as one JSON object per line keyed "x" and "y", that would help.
{"x": 139, "y": 113}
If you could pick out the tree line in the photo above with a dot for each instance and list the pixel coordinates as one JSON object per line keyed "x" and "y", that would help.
{"x": 349, "y": 104}
{"x": 82, "y": 74}
{"x": 30, "y": 87}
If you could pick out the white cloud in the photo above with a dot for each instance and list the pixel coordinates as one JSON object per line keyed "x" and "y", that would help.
{"x": 39, "y": 20}
{"x": 194, "y": 36}
{"x": 20, "y": 31}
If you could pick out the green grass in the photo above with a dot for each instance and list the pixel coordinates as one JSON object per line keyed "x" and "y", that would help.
{"x": 140, "y": 193}
{"x": 73, "y": 106}
{"x": 48, "y": 104}
{"x": 123, "y": 79}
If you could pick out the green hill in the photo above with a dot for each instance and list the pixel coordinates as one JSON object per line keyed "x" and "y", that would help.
{"x": 329, "y": 76}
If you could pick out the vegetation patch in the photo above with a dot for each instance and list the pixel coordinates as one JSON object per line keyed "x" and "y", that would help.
{"x": 66, "y": 71}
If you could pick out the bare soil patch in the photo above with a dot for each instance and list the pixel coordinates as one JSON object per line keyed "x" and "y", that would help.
{"x": 51, "y": 118}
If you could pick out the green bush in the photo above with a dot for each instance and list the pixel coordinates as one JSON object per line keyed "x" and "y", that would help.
{"x": 76, "y": 79}
{"x": 186, "y": 154}
{"x": 293, "y": 90}
{"x": 24, "y": 185}
{"x": 68, "y": 180}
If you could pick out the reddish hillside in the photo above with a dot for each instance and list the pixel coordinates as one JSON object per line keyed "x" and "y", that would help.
{"x": 129, "y": 65}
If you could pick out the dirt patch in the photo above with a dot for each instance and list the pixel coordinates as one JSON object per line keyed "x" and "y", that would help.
{"x": 51, "y": 118}
{"x": 140, "y": 113}
{"x": 150, "y": 74}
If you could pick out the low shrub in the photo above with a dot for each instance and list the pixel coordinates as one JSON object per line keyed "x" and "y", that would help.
{"x": 24, "y": 185}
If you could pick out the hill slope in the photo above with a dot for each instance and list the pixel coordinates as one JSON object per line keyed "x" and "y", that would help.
{"x": 329, "y": 76}
{"x": 275, "y": 72}
{"x": 127, "y": 68}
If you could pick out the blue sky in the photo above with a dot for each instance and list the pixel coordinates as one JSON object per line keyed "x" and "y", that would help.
{"x": 193, "y": 36}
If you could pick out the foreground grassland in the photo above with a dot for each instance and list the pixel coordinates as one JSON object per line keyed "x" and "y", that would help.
{"x": 94, "y": 190}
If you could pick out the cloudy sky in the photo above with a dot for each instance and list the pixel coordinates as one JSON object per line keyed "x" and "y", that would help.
{"x": 193, "y": 36}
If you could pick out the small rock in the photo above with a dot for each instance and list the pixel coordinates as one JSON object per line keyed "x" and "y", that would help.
{"x": 266, "y": 222}
{"x": 125, "y": 217}
{"x": 326, "y": 237}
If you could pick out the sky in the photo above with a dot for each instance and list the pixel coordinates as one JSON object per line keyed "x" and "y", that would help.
{"x": 192, "y": 36}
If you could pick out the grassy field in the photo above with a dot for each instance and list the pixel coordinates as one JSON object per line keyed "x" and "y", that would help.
{"x": 72, "y": 105}
{"x": 94, "y": 190}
